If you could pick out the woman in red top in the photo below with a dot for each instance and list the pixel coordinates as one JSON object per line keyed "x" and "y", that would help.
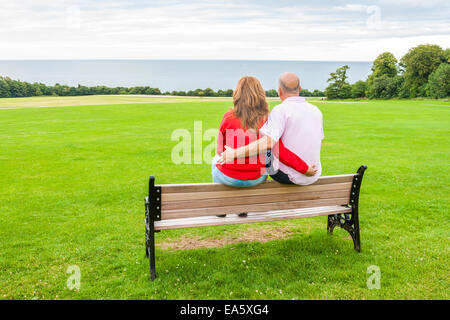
{"x": 239, "y": 127}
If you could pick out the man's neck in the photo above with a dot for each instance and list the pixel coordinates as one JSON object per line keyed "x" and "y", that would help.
{"x": 289, "y": 96}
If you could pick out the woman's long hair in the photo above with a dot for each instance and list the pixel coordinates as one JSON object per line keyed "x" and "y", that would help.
{"x": 250, "y": 104}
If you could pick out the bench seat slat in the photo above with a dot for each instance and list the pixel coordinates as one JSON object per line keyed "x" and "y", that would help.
{"x": 241, "y": 192}
{"x": 186, "y": 213}
{"x": 252, "y": 217}
{"x": 247, "y": 200}
{"x": 209, "y": 187}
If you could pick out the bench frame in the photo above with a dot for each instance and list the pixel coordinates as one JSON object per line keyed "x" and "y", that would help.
{"x": 347, "y": 221}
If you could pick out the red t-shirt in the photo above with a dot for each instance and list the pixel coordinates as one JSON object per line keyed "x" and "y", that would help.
{"x": 233, "y": 135}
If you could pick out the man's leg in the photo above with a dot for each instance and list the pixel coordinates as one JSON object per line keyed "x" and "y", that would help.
{"x": 281, "y": 177}
{"x": 277, "y": 175}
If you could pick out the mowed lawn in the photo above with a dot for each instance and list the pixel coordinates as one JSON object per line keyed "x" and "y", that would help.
{"x": 73, "y": 181}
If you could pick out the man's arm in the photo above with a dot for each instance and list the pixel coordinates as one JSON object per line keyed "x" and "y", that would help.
{"x": 252, "y": 149}
{"x": 290, "y": 159}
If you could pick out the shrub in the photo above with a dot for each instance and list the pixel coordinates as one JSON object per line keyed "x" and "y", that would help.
{"x": 438, "y": 85}
{"x": 359, "y": 89}
{"x": 385, "y": 87}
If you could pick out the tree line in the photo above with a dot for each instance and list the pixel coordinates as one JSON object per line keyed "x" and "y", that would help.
{"x": 16, "y": 88}
{"x": 424, "y": 71}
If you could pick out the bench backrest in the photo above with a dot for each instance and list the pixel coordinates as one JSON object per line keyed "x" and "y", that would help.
{"x": 206, "y": 199}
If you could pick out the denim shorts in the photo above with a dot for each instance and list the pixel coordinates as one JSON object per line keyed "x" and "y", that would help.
{"x": 219, "y": 177}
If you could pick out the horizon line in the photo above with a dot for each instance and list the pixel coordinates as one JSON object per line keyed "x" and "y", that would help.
{"x": 157, "y": 59}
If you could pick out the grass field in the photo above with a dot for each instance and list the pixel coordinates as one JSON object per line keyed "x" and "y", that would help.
{"x": 73, "y": 180}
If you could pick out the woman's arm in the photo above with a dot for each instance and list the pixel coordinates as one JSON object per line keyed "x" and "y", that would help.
{"x": 221, "y": 137}
{"x": 220, "y": 143}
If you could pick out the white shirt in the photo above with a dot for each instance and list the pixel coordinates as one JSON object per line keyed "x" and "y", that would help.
{"x": 299, "y": 125}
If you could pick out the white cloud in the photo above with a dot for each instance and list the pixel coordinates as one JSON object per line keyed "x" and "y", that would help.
{"x": 351, "y": 8}
{"x": 207, "y": 30}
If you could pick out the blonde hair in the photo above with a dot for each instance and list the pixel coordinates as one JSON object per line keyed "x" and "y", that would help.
{"x": 250, "y": 104}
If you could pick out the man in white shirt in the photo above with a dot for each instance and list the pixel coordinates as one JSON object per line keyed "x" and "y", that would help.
{"x": 298, "y": 124}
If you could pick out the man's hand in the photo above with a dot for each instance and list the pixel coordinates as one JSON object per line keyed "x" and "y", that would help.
{"x": 227, "y": 156}
{"x": 312, "y": 170}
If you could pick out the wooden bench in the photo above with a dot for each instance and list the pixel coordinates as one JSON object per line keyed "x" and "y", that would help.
{"x": 174, "y": 206}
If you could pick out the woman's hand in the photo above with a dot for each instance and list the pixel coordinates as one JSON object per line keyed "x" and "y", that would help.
{"x": 227, "y": 156}
{"x": 312, "y": 170}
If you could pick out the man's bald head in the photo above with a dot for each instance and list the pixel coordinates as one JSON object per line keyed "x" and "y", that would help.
{"x": 289, "y": 83}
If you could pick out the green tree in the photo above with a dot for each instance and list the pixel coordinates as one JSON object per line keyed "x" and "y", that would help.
{"x": 209, "y": 92}
{"x": 384, "y": 71}
{"x": 46, "y": 90}
{"x": 82, "y": 90}
{"x": 4, "y": 88}
{"x": 305, "y": 93}
{"x": 385, "y": 87}
{"x": 447, "y": 55}
{"x": 15, "y": 89}
{"x": 359, "y": 89}
{"x": 272, "y": 93}
{"x": 384, "y": 64}
{"x": 345, "y": 92}
{"x": 338, "y": 88}
{"x": 418, "y": 64}
{"x": 178, "y": 93}
{"x": 199, "y": 93}
{"x": 37, "y": 89}
{"x": 318, "y": 93}
{"x": 439, "y": 82}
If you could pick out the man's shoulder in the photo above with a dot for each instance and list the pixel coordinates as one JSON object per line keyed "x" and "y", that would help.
{"x": 295, "y": 105}
{"x": 312, "y": 107}
{"x": 281, "y": 106}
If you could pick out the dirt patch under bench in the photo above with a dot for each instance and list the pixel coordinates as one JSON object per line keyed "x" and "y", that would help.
{"x": 252, "y": 234}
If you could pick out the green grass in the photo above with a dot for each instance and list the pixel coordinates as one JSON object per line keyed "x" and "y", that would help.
{"x": 73, "y": 180}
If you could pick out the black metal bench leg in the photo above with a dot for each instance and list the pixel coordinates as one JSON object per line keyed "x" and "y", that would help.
{"x": 355, "y": 235}
{"x": 354, "y": 202}
{"x": 350, "y": 224}
{"x": 152, "y": 214}
{"x": 151, "y": 255}
{"x": 147, "y": 228}
{"x": 350, "y": 221}
{"x": 353, "y": 229}
{"x": 331, "y": 224}
{"x": 150, "y": 240}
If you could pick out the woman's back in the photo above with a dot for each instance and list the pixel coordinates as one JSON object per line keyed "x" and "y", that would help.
{"x": 232, "y": 134}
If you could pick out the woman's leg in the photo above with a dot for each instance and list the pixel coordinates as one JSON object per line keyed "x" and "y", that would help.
{"x": 250, "y": 183}
{"x": 219, "y": 177}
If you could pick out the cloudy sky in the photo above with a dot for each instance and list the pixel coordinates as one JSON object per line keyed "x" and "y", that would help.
{"x": 219, "y": 29}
